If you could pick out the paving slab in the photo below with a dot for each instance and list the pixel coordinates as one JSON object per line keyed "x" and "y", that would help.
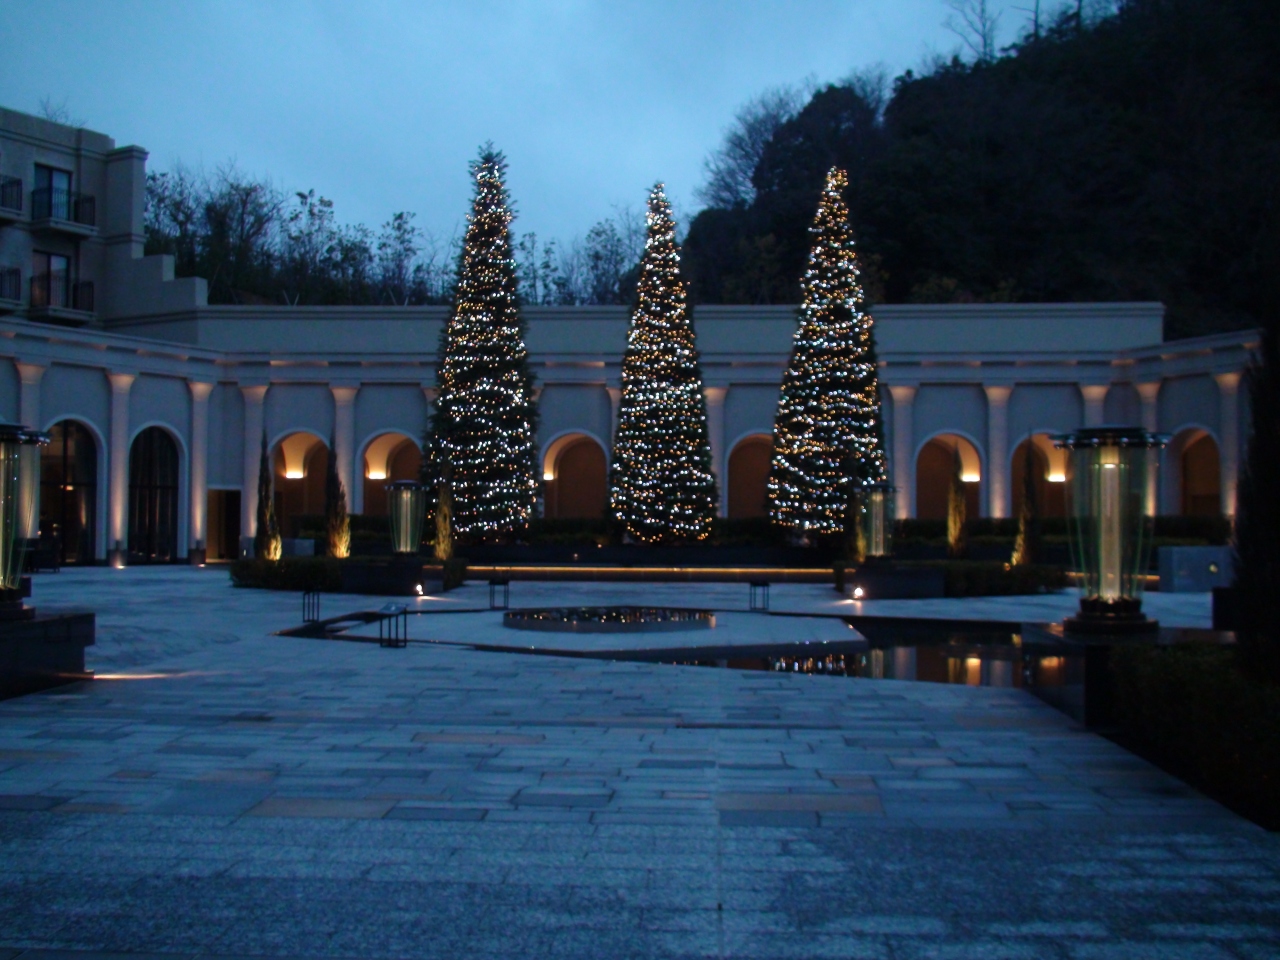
{"x": 222, "y": 791}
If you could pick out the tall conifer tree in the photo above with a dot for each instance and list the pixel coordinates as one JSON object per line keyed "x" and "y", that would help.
{"x": 485, "y": 419}
{"x": 827, "y": 434}
{"x": 661, "y": 484}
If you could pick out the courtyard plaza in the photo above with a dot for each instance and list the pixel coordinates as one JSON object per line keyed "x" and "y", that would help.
{"x": 220, "y": 791}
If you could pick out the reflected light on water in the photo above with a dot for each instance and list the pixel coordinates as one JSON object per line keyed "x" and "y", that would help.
{"x": 152, "y": 676}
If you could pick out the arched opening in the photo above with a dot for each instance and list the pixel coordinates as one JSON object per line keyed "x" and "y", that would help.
{"x": 1048, "y": 474}
{"x": 153, "y": 497}
{"x": 388, "y": 457}
{"x": 749, "y": 476}
{"x": 299, "y": 465}
{"x": 69, "y": 492}
{"x": 575, "y": 479}
{"x": 1201, "y": 476}
{"x": 934, "y": 466}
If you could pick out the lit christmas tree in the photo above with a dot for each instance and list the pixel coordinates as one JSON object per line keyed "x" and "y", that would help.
{"x": 485, "y": 417}
{"x": 661, "y": 485}
{"x": 827, "y": 434}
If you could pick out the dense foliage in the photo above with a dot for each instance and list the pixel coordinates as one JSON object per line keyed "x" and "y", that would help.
{"x": 1193, "y": 710}
{"x": 485, "y": 418}
{"x": 827, "y": 433}
{"x": 1132, "y": 158}
{"x": 661, "y": 487}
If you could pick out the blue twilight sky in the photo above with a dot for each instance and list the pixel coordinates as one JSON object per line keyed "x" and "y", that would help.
{"x": 380, "y": 105}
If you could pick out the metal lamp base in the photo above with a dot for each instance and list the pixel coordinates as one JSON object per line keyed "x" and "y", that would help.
{"x": 1122, "y": 616}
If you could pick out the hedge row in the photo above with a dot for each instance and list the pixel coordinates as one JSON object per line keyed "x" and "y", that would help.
{"x": 1191, "y": 710}
{"x": 974, "y": 578}
{"x": 288, "y": 573}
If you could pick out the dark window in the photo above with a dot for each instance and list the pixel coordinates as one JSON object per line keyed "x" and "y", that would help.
{"x": 52, "y": 194}
{"x": 50, "y": 280}
{"x": 69, "y": 492}
{"x": 153, "y": 497}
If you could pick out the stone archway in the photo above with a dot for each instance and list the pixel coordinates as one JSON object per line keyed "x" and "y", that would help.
{"x": 749, "y": 476}
{"x": 299, "y": 463}
{"x": 69, "y": 492}
{"x": 1199, "y": 474}
{"x": 154, "y": 474}
{"x": 387, "y": 457}
{"x": 1049, "y": 474}
{"x": 935, "y": 464}
{"x": 575, "y": 478}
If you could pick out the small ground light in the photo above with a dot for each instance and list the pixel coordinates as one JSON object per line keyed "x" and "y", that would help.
{"x": 418, "y": 587}
{"x": 857, "y": 593}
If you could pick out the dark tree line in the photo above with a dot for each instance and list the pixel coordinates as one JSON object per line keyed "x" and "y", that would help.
{"x": 256, "y": 244}
{"x": 1127, "y": 157}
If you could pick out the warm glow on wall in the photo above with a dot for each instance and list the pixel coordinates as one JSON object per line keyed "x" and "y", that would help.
{"x": 376, "y": 474}
{"x": 293, "y": 474}
{"x": 970, "y": 477}
{"x": 549, "y": 475}
{"x": 1057, "y": 478}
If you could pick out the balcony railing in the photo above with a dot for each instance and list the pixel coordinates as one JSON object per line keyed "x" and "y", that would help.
{"x": 11, "y": 194}
{"x": 52, "y": 203}
{"x": 56, "y": 291}
{"x": 10, "y": 283}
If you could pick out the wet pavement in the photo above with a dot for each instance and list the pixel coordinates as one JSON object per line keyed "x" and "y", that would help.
{"x": 221, "y": 792}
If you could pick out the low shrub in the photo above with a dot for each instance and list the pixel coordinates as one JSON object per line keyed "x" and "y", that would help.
{"x": 1190, "y": 709}
{"x": 453, "y": 573}
{"x": 976, "y": 578}
{"x": 288, "y": 573}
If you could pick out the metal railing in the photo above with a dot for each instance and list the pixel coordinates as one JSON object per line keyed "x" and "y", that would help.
{"x": 11, "y": 193}
{"x": 10, "y": 283}
{"x": 57, "y": 290}
{"x": 54, "y": 203}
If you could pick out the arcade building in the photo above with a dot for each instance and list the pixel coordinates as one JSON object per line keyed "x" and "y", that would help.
{"x": 156, "y": 402}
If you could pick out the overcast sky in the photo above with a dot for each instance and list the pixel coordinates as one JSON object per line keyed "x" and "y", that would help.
{"x": 380, "y": 105}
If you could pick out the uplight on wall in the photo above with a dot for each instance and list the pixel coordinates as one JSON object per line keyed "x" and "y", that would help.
{"x": 971, "y": 478}
{"x": 376, "y": 474}
{"x": 1057, "y": 478}
{"x": 293, "y": 474}
{"x": 549, "y": 475}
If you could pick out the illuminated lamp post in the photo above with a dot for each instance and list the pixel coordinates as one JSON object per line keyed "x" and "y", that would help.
{"x": 406, "y": 509}
{"x": 19, "y": 498}
{"x": 1110, "y": 523}
{"x": 875, "y": 520}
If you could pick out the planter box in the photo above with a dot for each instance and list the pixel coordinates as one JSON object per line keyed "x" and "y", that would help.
{"x": 388, "y": 579}
{"x": 46, "y": 651}
{"x": 1195, "y": 569}
{"x": 889, "y": 582}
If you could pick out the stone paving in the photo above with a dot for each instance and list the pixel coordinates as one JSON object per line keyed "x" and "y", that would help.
{"x": 222, "y": 792}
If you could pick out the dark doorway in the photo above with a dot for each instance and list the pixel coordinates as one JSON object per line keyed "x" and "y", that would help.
{"x": 69, "y": 492}
{"x": 153, "y": 497}
{"x": 223, "y": 525}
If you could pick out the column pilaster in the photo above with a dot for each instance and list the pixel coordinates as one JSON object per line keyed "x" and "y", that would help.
{"x": 715, "y": 431}
{"x": 1229, "y": 438}
{"x": 30, "y": 375}
{"x": 998, "y": 493}
{"x": 199, "y": 486}
{"x": 254, "y": 402}
{"x": 118, "y": 476}
{"x": 1149, "y": 393}
{"x": 344, "y": 433}
{"x": 904, "y": 468}
{"x": 1095, "y": 399}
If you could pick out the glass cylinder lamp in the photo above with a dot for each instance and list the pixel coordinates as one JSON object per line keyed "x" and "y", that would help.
{"x": 1110, "y": 525}
{"x": 406, "y": 511}
{"x": 875, "y": 520}
{"x": 19, "y": 503}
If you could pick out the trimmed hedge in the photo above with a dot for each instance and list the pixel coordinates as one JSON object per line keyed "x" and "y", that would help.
{"x": 1191, "y": 710}
{"x": 288, "y": 573}
{"x": 975, "y": 578}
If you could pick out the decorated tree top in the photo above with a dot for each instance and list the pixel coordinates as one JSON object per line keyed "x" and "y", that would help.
{"x": 827, "y": 435}
{"x": 662, "y": 486}
{"x": 486, "y": 419}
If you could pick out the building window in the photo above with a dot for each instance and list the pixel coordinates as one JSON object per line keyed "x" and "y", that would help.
{"x": 52, "y": 194}
{"x": 50, "y": 280}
